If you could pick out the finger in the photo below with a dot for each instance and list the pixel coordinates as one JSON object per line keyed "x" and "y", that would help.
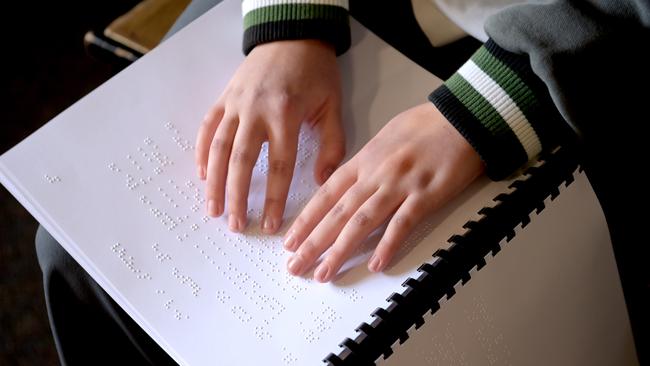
{"x": 204, "y": 138}
{"x": 282, "y": 158}
{"x": 328, "y": 229}
{"x": 367, "y": 218}
{"x": 217, "y": 170}
{"x": 400, "y": 226}
{"x": 319, "y": 205}
{"x": 332, "y": 144}
{"x": 245, "y": 150}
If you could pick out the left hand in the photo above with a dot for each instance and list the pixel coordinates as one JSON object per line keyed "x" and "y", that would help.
{"x": 415, "y": 164}
{"x": 278, "y": 86}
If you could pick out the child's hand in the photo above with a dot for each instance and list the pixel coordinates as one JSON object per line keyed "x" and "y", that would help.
{"x": 278, "y": 86}
{"x": 416, "y": 163}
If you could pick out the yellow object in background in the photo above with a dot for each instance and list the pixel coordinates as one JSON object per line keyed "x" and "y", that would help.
{"x": 144, "y": 26}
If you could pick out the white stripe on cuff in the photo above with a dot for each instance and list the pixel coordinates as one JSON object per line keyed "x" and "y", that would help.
{"x": 504, "y": 105}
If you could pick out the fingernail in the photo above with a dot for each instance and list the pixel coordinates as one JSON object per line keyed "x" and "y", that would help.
{"x": 200, "y": 171}
{"x": 375, "y": 263}
{"x": 295, "y": 265}
{"x": 233, "y": 223}
{"x": 268, "y": 225}
{"x": 213, "y": 208}
{"x": 290, "y": 240}
{"x": 322, "y": 273}
{"x": 327, "y": 173}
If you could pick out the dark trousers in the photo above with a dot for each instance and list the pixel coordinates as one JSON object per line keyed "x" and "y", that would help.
{"x": 89, "y": 328}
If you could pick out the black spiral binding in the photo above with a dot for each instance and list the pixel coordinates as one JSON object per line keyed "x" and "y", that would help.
{"x": 453, "y": 265}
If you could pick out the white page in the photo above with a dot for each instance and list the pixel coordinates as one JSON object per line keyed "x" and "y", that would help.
{"x": 203, "y": 293}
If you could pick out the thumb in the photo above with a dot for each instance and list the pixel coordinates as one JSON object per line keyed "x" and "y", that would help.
{"x": 332, "y": 145}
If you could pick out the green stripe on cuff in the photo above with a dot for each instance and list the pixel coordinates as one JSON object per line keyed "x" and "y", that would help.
{"x": 507, "y": 79}
{"x": 283, "y": 12}
{"x": 478, "y": 106}
{"x": 520, "y": 98}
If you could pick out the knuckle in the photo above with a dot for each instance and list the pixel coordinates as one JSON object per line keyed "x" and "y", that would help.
{"x": 361, "y": 219}
{"x": 279, "y": 167}
{"x": 403, "y": 222}
{"x": 257, "y": 92}
{"x": 337, "y": 210}
{"x": 241, "y": 156}
{"x": 384, "y": 198}
{"x": 349, "y": 168}
{"x": 355, "y": 191}
{"x": 233, "y": 92}
{"x": 207, "y": 120}
{"x": 285, "y": 101}
{"x": 424, "y": 179}
{"x": 210, "y": 117}
{"x": 324, "y": 192}
{"x": 403, "y": 165}
{"x": 308, "y": 249}
{"x": 220, "y": 145}
{"x": 397, "y": 166}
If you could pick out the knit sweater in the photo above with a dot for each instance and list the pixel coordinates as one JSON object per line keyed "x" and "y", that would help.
{"x": 496, "y": 100}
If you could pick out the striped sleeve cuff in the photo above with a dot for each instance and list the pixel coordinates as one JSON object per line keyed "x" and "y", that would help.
{"x": 275, "y": 20}
{"x": 502, "y": 108}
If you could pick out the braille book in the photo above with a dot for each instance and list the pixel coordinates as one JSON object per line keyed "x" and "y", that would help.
{"x": 515, "y": 272}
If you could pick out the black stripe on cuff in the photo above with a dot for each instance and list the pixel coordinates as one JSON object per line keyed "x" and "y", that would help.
{"x": 335, "y": 33}
{"x": 502, "y": 156}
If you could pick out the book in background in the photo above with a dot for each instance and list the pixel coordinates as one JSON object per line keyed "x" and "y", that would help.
{"x": 136, "y": 32}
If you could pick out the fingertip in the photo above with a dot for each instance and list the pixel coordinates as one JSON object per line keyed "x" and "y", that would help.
{"x": 375, "y": 264}
{"x": 269, "y": 225}
{"x": 323, "y": 273}
{"x": 295, "y": 265}
{"x": 236, "y": 224}
{"x": 215, "y": 208}
{"x": 290, "y": 241}
{"x": 200, "y": 172}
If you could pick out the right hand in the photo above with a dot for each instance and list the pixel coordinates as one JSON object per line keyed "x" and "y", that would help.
{"x": 277, "y": 87}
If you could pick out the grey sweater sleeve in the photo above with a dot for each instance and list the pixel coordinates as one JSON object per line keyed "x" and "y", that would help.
{"x": 575, "y": 45}
{"x": 592, "y": 56}
{"x": 548, "y": 66}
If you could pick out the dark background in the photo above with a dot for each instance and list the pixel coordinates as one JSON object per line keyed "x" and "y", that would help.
{"x": 44, "y": 69}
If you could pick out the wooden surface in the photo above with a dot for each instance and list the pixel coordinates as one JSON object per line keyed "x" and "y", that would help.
{"x": 144, "y": 26}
